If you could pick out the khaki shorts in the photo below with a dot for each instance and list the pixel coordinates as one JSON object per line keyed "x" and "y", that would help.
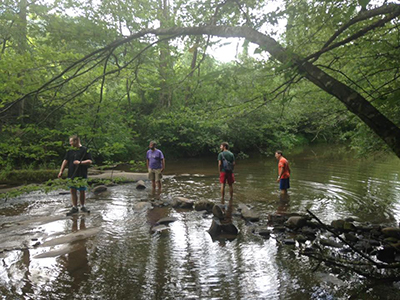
{"x": 155, "y": 174}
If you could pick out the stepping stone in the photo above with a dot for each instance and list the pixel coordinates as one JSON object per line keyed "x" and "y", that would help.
{"x": 140, "y": 185}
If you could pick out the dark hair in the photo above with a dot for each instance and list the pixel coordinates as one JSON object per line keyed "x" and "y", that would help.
{"x": 226, "y": 145}
{"x": 279, "y": 152}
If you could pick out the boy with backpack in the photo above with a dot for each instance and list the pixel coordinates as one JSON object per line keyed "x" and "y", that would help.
{"x": 226, "y": 163}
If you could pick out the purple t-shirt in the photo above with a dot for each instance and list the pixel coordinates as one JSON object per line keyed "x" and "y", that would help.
{"x": 155, "y": 159}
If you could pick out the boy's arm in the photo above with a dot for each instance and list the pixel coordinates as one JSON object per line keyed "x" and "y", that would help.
{"x": 63, "y": 165}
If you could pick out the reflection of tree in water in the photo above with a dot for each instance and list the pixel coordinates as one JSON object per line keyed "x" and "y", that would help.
{"x": 76, "y": 262}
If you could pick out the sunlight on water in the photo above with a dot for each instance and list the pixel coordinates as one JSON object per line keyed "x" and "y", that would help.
{"x": 124, "y": 259}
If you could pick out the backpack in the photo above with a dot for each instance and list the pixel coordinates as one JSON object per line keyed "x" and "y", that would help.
{"x": 226, "y": 165}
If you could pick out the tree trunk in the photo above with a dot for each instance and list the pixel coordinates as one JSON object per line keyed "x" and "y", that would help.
{"x": 22, "y": 45}
{"x": 188, "y": 92}
{"x": 165, "y": 68}
{"x": 356, "y": 103}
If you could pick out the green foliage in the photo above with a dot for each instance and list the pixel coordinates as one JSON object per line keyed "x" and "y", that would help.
{"x": 189, "y": 103}
{"x": 182, "y": 132}
{"x": 17, "y": 177}
{"x": 28, "y": 146}
{"x": 365, "y": 142}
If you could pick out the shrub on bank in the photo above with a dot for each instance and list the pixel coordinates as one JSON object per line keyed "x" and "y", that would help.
{"x": 16, "y": 177}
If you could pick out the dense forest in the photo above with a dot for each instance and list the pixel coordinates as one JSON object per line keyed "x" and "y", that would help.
{"x": 122, "y": 73}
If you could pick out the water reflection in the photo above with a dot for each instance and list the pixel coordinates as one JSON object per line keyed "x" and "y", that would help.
{"x": 76, "y": 262}
{"x": 126, "y": 261}
{"x": 283, "y": 203}
{"x": 27, "y": 287}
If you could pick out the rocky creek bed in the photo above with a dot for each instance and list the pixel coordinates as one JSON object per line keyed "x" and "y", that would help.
{"x": 370, "y": 250}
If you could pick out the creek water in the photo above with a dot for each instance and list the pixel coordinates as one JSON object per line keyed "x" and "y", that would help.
{"x": 120, "y": 258}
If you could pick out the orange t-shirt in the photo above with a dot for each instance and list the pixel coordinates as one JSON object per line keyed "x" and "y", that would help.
{"x": 284, "y": 164}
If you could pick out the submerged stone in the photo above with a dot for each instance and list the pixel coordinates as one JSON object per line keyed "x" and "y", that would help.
{"x": 391, "y": 232}
{"x": 289, "y": 241}
{"x": 331, "y": 243}
{"x": 350, "y": 237}
{"x": 248, "y": 214}
{"x": 279, "y": 228}
{"x": 296, "y": 222}
{"x": 277, "y": 218}
{"x": 142, "y": 206}
{"x": 338, "y": 224}
{"x": 203, "y": 205}
{"x": 181, "y": 202}
{"x": 347, "y": 226}
{"x": 301, "y": 238}
{"x": 266, "y": 233}
{"x": 364, "y": 246}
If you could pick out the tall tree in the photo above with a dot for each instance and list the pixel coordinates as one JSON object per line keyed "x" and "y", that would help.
{"x": 310, "y": 61}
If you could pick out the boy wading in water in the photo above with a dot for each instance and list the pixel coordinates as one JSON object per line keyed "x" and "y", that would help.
{"x": 155, "y": 163}
{"x": 78, "y": 159}
{"x": 283, "y": 171}
{"x": 226, "y": 163}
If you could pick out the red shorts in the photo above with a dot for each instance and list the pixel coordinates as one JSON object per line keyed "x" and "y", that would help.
{"x": 226, "y": 177}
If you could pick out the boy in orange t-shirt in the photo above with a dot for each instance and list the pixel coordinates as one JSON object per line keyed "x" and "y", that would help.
{"x": 283, "y": 171}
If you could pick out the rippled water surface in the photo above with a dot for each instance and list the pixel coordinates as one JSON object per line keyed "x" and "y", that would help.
{"x": 112, "y": 253}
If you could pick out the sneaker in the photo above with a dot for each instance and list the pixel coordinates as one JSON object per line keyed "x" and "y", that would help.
{"x": 73, "y": 210}
{"x": 84, "y": 209}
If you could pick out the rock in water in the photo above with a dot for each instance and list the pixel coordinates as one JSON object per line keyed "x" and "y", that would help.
{"x": 218, "y": 227}
{"x": 142, "y": 206}
{"x": 99, "y": 189}
{"x": 204, "y": 205}
{"x": 140, "y": 185}
{"x": 248, "y": 214}
{"x": 296, "y": 222}
{"x": 181, "y": 202}
{"x": 218, "y": 211}
{"x": 391, "y": 232}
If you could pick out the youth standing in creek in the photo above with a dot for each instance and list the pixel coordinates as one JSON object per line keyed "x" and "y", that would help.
{"x": 78, "y": 159}
{"x": 155, "y": 163}
{"x": 283, "y": 172}
{"x": 226, "y": 163}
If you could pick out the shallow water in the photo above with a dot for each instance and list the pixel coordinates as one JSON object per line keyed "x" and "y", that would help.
{"x": 112, "y": 254}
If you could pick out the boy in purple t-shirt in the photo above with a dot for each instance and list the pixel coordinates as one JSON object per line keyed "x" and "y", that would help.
{"x": 155, "y": 162}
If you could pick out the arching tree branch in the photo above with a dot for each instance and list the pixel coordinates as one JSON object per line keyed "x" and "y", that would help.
{"x": 355, "y": 102}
